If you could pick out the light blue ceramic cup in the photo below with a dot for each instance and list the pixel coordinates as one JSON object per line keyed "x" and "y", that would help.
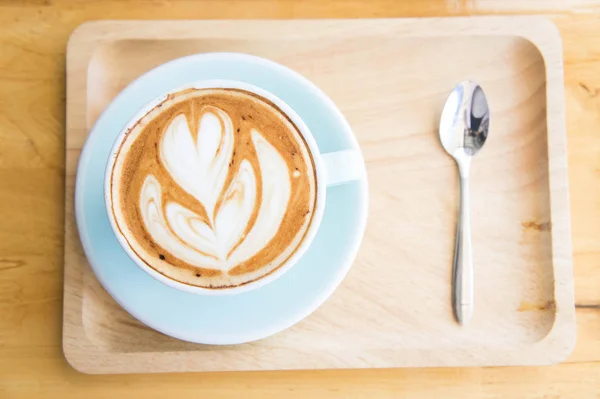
{"x": 331, "y": 169}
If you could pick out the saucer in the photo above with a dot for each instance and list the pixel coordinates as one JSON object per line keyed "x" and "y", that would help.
{"x": 223, "y": 319}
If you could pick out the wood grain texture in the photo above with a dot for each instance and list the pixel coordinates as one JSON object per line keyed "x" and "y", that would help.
{"x": 33, "y": 37}
{"x": 524, "y": 286}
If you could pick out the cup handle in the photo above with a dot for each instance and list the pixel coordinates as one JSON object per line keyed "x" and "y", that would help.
{"x": 342, "y": 166}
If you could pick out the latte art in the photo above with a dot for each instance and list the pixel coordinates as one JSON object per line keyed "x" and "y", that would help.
{"x": 201, "y": 168}
{"x": 214, "y": 188}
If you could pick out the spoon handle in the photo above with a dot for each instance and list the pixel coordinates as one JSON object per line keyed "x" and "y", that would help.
{"x": 463, "y": 258}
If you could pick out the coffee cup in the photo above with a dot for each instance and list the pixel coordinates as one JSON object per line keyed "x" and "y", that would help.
{"x": 218, "y": 187}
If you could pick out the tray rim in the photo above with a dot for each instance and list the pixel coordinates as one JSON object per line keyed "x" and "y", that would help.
{"x": 541, "y": 32}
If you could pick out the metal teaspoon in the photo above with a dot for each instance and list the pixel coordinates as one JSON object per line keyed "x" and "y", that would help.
{"x": 463, "y": 131}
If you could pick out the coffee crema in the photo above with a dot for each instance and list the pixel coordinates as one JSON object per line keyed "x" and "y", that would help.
{"x": 213, "y": 188}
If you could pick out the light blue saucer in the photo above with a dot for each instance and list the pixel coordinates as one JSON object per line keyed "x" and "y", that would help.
{"x": 223, "y": 319}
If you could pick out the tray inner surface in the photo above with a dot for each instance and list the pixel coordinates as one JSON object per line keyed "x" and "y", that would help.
{"x": 397, "y": 295}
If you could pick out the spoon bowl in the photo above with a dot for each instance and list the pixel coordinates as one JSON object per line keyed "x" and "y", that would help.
{"x": 465, "y": 120}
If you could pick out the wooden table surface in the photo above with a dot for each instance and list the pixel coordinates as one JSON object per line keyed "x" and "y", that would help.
{"x": 33, "y": 37}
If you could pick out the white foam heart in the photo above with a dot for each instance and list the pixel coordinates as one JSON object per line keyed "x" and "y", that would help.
{"x": 199, "y": 163}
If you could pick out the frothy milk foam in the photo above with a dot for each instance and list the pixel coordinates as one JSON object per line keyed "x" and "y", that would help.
{"x": 214, "y": 187}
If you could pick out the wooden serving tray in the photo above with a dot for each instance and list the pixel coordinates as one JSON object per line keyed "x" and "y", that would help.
{"x": 390, "y": 78}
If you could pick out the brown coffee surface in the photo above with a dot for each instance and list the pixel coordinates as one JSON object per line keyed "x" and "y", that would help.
{"x": 140, "y": 156}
